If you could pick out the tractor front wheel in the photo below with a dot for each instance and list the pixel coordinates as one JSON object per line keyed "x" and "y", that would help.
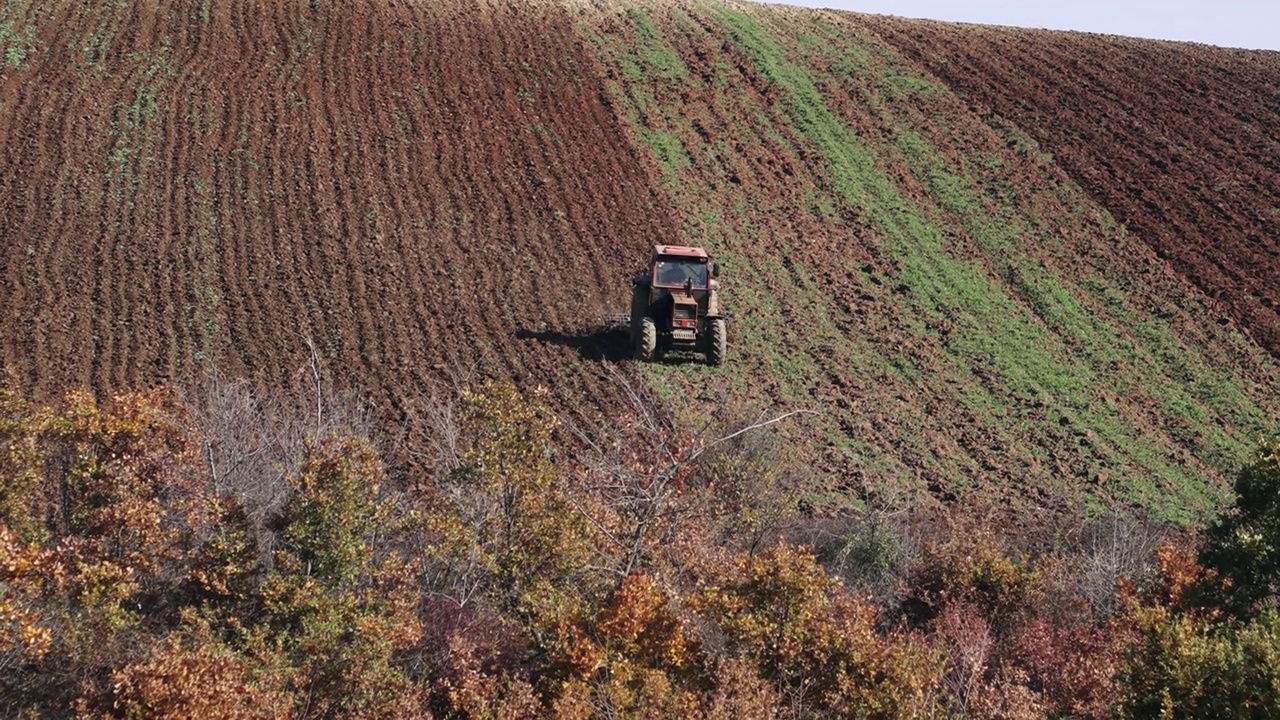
{"x": 647, "y": 341}
{"x": 717, "y": 342}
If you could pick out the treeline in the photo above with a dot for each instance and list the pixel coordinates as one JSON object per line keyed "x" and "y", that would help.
{"x": 236, "y": 558}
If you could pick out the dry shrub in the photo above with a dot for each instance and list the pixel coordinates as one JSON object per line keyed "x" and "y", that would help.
{"x": 970, "y": 566}
{"x": 1019, "y": 639}
{"x": 634, "y": 693}
{"x": 1007, "y": 697}
{"x": 1112, "y": 550}
{"x": 741, "y": 693}
{"x": 872, "y": 551}
{"x": 248, "y": 437}
{"x": 816, "y": 642}
{"x": 23, "y": 502}
{"x": 967, "y": 643}
{"x": 190, "y": 674}
{"x": 472, "y": 687}
{"x": 634, "y": 658}
{"x": 1074, "y": 666}
{"x": 493, "y": 645}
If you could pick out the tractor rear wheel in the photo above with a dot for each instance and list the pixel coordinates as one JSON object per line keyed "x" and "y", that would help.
{"x": 639, "y": 308}
{"x": 717, "y": 343}
{"x": 647, "y": 341}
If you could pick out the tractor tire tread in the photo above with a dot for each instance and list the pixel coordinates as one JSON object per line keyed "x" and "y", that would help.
{"x": 717, "y": 341}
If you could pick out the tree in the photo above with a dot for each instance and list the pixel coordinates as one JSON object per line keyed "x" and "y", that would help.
{"x": 814, "y": 640}
{"x": 1243, "y": 546}
{"x": 500, "y": 525}
{"x": 1186, "y": 667}
{"x": 111, "y": 511}
{"x": 339, "y": 602}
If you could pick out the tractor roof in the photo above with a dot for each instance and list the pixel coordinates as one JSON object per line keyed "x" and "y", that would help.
{"x": 679, "y": 251}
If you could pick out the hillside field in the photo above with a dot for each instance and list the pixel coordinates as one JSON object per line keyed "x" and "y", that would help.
{"x": 1033, "y": 268}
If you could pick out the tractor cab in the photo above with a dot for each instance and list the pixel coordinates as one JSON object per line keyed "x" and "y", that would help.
{"x": 679, "y": 272}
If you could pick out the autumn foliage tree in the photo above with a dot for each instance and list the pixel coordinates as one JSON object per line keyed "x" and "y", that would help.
{"x": 501, "y": 528}
{"x": 130, "y": 586}
{"x": 814, "y": 640}
{"x": 1209, "y": 630}
{"x": 146, "y": 572}
{"x": 103, "y": 508}
{"x": 633, "y": 657}
{"x": 190, "y": 673}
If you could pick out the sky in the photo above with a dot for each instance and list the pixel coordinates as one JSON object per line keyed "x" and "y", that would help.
{"x": 1253, "y": 24}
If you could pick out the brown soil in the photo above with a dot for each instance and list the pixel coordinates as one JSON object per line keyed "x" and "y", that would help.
{"x": 1181, "y": 142}
{"x": 421, "y": 193}
{"x": 419, "y": 190}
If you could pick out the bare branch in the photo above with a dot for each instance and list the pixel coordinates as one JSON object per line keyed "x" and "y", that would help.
{"x": 766, "y": 423}
{"x": 315, "y": 376}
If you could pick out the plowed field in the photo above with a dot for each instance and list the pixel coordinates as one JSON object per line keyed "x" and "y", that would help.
{"x": 199, "y": 186}
{"x": 1180, "y": 142}
{"x": 1034, "y": 290}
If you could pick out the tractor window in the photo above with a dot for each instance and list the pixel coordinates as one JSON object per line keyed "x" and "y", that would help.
{"x": 676, "y": 272}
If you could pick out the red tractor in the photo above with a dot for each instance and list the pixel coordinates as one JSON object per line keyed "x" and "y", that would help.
{"x": 676, "y": 305}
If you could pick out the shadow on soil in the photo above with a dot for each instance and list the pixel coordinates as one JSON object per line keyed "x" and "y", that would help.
{"x": 603, "y": 343}
{"x": 611, "y": 343}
